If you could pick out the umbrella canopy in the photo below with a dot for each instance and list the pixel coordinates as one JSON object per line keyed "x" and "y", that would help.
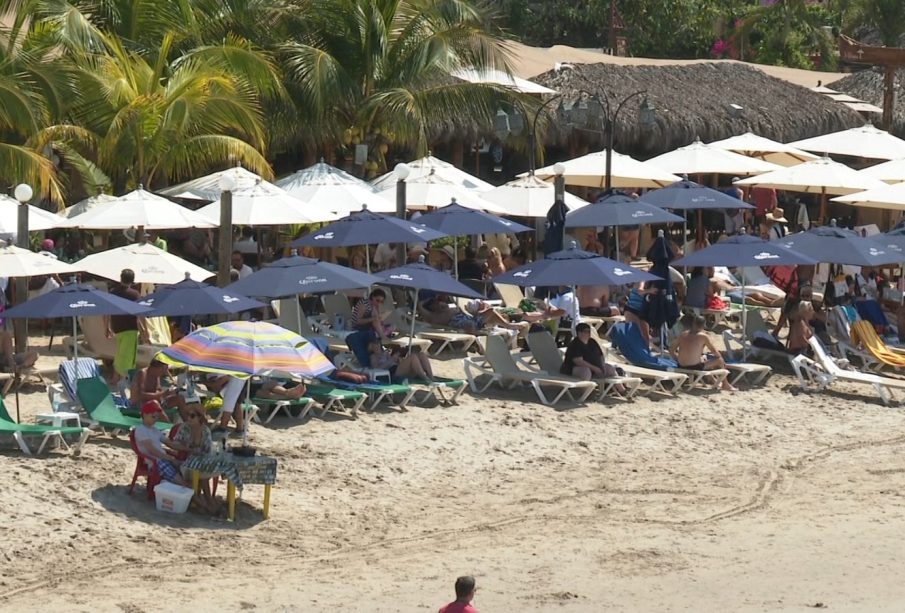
{"x": 892, "y": 171}
{"x": 246, "y": 348}
{"x": 834, "y": 245}
{"x": 326, "y": 187}
{"x": 38, "y": 219}
{"x": 590, "y": 171}
{"x": 83, "y": 206}
{"x": 424, "y": 166}
{"x": 299, "y": 275}
{"x": 457, "y": 220}
{"x": 367, "y": 228}
{"x": 663, "y": 306}
{"x": 193, "y": 298}
{"x": 432, "y": 190}
{"x": 16, "y": 262}
{"x": 75, "y": 300}
{"x": 139, "y": 209}
{"x": 698, "y": 158}
{"x": 529, "y": 197}
{"x": 689, "y": 196}
{"x": 207, "y": 188}
{"x": 420, "y": 276}
{"x": 618, "y": 210}
{"x": 151, "y": 265}
{"x": 865, "y": 142}
{"x": 893, "y": 238}
{"x": 265, "y": 204}
{"x": 764, "y": 149}
{"x": 573, "y": 267}
{"x": 888, "y": 197}
{"x": 745, "y": 250}
{"x": 818, "y": 176}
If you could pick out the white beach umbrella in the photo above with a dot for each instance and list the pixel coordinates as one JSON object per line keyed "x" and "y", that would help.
{"x": 151, "y": 265}
{"x": 892, "y": 171}
{"x": 888, "y": 197}
{"x": 865, "y": 142}
{"x": 498, "y": 77}
{"x": 755, "y": 146}
{"x": 139, "y": 209}
{"x": 327, "y": 187}
{"x": 83, "y": 206}
{"x": 433, "y": 191}
{"x": 16, "y": 262}
{"x": 423, "y": 166}
{"x": 207, "y": 188}
{"x": 823, "y": 176}
{"x": 38, "y": 219}
{"x": 698, "y": 158}
{"x": 590, "y": 171}
{"x": 529, "y": 197}
{"x": 265, "y": 204}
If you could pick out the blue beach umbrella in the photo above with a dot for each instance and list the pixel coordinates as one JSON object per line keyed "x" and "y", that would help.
{"x": 618, "y": 210}
{"x": 573, "y": 267}
{"x": 300, "y": 275}
{"x": 833, "y": 245}
{"x": 190, "y": 297}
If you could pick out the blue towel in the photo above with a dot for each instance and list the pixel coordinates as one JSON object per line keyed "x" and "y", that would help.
{"x": 870, "y": 311}
{"x": 627, "y": 338}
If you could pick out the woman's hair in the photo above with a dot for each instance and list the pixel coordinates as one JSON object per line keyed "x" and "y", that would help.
{"x": 377, "y": 293}
{"x": 697, "y": 271}
{"x": 495, "y": 254}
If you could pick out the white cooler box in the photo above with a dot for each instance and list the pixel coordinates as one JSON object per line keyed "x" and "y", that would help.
{"x": 172, "y": 498}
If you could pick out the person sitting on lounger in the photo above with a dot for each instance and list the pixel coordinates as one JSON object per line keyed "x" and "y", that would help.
{"x": 702, "y": 291}
{"x": 439, "y": 312}
{"x": 689, "y": 351}
{"x": 584, "y": 358}
{"x": 799, "y": 328}
{"x": 151, "y": 442}
{"x": 402, "y": 365}
{"x": 273, "y": 389}
{"x": 146, "y": 386}
{"x": 366, "y": 315}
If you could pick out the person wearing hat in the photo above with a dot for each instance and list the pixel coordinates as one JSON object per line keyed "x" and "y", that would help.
{"x": 774, "y": 227}
{"x": 447, "y": 261}
{"x": 151, "y": 442}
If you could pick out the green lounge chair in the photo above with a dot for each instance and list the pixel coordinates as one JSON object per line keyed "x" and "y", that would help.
{"x": 295, "y": 407}
{"x": 48, "y": 433}
{"x": 332, "y": 397}
{"x": 95, "y": 396}
{"x": 445, "y": 391}
{"x": 396, "y": 394}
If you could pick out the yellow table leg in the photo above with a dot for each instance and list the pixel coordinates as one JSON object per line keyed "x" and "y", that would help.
{"x": 231, "y": 500}
{"x": 267, "y": 502}
{"x": 196, "y": 481}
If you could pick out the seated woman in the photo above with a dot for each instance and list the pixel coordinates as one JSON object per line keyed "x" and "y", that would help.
{"x": 584, "y": 358}
{"x": 195, "y": 436}
{"x": 702, "y": 291}
{"x": 635, "y": 309}
{"x": 366, "y": 315}
{"x": 799, "y": 328}
{"x": 439, "y": 312}
{"x": 402, "y": 365}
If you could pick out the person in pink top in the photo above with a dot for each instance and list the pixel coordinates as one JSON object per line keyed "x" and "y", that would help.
{"x": 465, "y": 589}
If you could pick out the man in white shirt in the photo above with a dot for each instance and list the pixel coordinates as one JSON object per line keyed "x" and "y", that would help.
{"x": 385, "y": 256}
{"x": 247, "y": 244}
{"x": 151, "y": 441}
{"x": 239, "y": 264}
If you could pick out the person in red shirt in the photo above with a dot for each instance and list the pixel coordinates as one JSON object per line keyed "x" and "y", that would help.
{"x": 465, "y": 589}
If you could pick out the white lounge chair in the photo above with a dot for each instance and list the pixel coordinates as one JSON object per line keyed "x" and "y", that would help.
{"x": 440, "y": 338}
{"x": 500, "y": 367}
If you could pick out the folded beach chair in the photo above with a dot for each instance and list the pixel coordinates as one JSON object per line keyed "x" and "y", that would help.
{"x": 47, "y": 433}
{"x": 823, "y": 371}
{"x": 627, "y": 338}
{"x": 95, "y": 397}
{"x": 499, "y": 365}
{"x": 549, "y": 360}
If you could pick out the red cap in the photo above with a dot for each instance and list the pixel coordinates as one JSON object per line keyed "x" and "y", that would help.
{"x": 151, "y": 407}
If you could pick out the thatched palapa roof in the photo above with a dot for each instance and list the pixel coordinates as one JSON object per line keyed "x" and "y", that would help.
{"x": 694, "y": 101}
{"x": 868, "y": 86}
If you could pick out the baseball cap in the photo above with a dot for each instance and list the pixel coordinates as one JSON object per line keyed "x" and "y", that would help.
{"x": 151, "y": 407}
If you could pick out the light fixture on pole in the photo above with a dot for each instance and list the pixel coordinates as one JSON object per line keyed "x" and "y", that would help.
{"x": 23, "y": 194}
{"x": 227, "y": 185}
{"x": 402, "y": 171}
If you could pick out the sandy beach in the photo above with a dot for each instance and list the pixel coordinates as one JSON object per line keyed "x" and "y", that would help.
{"x": 760, "y": 500}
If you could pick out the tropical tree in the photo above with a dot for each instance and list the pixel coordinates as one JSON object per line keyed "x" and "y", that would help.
{"x": 887, "y": 17}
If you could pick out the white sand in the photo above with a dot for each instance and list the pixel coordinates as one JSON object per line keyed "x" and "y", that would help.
{"x": 754, "y": 501}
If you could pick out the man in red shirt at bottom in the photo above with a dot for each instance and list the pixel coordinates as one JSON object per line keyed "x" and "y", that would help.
{"x": 465, "y": 590}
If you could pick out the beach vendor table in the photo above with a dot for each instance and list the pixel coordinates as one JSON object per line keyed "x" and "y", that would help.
{"x": 238, "y": 471}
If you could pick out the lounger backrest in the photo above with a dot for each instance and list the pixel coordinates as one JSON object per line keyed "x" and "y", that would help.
{"x": 754, "y": 323}
{"x": 627, "y": 338}
{"x": 95, "y": 336}
{"x": 72, "y": 370}
{"x": 4, "y": 414}
{"x": 337, "y": 304}
{"x": 546, "y": 353}
{"x": 822, "y": 357}
{"x": 839, "y": 318}
{"x": 288, "y": 314}
{"x": 95, "y": 397}
{"x": 497, "y": 353}
{"x": 511, "y": 295}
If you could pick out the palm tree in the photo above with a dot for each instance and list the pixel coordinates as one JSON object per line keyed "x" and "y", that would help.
{"x": 887, "y": 16}
{"x": 377, "y": 72}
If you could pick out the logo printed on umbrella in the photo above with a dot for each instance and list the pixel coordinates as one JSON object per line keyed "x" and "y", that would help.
{"x": 402, "y": 277}
{"x": 81, "y": 304}
{"x": 621, "y": 272}
{"x": 524, "y": 274}
{"x": 325, "y": 235}
{"x": 642, "y": 214}
{"x": 764, "y": 255}
{"x": 147, "y": 302}
{"x": 152, "y": 269}
{"x": 875, "y": 252}
{"x": 418, "y": 230}
{"x": 312, "y": 279}
{"x": 228, "y": 299}
{"x": 505, "y": 223}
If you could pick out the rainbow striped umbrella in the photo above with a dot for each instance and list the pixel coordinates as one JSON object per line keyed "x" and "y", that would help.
{"x": 246, "y": 348}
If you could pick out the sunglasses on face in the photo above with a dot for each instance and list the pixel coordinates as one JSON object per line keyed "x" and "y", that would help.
{"x": 194, "y": 416}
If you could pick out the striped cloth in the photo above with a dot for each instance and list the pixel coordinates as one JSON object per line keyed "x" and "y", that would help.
{"x": 73, "y": 370}
{"x": 239, "y": 470}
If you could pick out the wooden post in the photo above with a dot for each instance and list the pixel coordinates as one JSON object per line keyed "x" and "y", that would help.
{"x": 889, "y": 96}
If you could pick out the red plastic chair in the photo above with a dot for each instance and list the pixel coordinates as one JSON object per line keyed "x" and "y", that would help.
{"x": 144, "y": 467}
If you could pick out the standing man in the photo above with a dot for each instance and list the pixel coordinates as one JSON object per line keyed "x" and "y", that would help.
{"x": 239, "y": 265}
{"x": 128, "y": 330}
{"x": 465, "y": 589}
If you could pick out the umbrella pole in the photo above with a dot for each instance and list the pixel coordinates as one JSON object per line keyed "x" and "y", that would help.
{"x": 75, "y": 344}
{"x": 575, "y": 310}
{"x": 744, "y": 321}
{"x": 456, "y": 259}
{"x": 368, "y": 257}
{"x": 616, "y": 232}
{"x": 684, "y": 242}
{"x": 414, "y": 315}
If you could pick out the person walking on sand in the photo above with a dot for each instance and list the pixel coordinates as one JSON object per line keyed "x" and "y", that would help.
{"x": 127, "y": 330}
{"x": 688, "y": 351}
{"x": 465, "y": 590}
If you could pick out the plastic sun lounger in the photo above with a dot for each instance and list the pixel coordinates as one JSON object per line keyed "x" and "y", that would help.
{"x": 866, "y": 336}
{"x": 440, "y": 337}
{"x": 445, "y": 391}
{"x": 549, "y": 360}
{"x": 99, "y": 404}
{"x": 823, "y": 371}
{"x": 331, "y": 397}
{"x": 502, "y": 369}
{"x": 839, "y": 324}
{"x": 395, "y": 394}
{"x": 296, "y": 408}
{"x": 756, "y": 374}
{"x": 712, "y": 317}
{"x": 48, "y": 433}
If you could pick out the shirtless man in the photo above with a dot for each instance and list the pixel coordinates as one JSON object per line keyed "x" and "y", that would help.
{"x": 688, "y": 351}
{"x": 146, "y": 386}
